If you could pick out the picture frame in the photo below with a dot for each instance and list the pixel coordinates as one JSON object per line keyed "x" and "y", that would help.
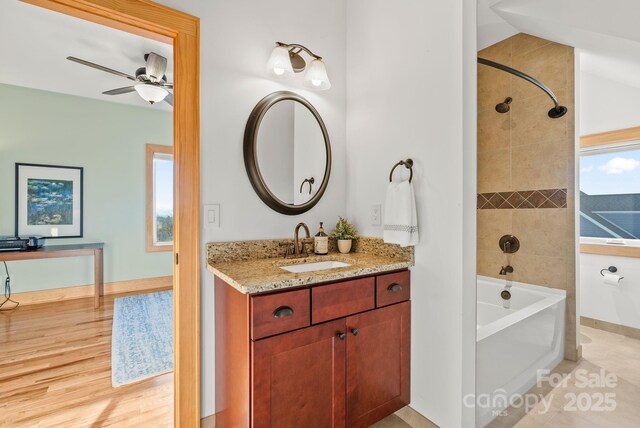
{"x": 49, "y": 201}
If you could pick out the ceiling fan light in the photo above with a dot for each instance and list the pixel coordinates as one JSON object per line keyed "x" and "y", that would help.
{"x": 316, "y": 76}
{"x": 279, "y": 64}
{"x": 151, "y": 93}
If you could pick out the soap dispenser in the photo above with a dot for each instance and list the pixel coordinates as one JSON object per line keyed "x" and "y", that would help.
{"x": 321, "y": 242}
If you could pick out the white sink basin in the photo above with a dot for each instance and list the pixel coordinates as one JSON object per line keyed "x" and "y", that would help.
{"x": 309, "y": 267}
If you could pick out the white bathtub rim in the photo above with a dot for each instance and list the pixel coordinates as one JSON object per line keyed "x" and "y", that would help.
{"x": 537, "y": 288}
{"x": 552, "y": 297}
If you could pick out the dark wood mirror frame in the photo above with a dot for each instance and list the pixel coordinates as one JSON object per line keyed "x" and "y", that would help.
{"x": 251, "y": 160}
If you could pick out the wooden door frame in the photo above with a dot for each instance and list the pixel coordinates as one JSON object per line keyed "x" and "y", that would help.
{"x": 182, "y": 31}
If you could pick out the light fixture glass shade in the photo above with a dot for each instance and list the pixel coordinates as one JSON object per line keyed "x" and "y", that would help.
{"x": 316, "y": 76}
{"x": 151, "y": 93}
{"x": 279, "y": 64}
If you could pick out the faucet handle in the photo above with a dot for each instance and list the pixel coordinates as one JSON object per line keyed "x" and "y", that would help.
{"x": 289, "y": 248}
{"x": 303, "y": 247}
{"x": 506, "y": 269}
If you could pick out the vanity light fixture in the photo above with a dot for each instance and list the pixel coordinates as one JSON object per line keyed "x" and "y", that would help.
{"x": 285, "y": 61}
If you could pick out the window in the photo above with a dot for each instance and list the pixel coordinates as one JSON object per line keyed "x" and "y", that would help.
{"x": 159, "y": 198}
{"x": 610, "y": 196}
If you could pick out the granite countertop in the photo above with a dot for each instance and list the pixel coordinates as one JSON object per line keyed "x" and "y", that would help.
{"x": 256, "y": 270}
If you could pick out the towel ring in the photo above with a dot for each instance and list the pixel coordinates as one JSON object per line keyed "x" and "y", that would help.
{"x": 310, "y": 181}
{"x": 408, "y": 164}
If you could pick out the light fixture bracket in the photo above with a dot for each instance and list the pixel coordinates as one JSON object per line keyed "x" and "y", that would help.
{"x": 297, "y": 62}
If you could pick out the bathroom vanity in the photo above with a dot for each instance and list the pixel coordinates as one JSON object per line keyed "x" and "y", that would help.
{"x": 323, "y": 348}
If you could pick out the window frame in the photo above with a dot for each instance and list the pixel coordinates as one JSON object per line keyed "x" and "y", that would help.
{"x": 151, "y": 151}
{"x": 606, "y": 142}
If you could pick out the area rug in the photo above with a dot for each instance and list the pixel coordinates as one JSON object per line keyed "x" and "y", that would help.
{"x": 142, "y": 337}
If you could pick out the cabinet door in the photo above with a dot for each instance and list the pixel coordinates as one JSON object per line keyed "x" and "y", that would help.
{"x": 298, "y": 378}
{"x": 378, "y": 359}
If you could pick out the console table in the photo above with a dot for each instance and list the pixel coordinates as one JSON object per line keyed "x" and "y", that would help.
{"x": 72, "y": 250}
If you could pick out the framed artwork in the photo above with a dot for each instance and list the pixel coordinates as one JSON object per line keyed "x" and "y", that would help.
{"x": 48, "y": 201}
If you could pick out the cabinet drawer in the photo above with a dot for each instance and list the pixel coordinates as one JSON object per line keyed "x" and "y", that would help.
{"x": 341, "y": 299}
{"x": 393, "y": 288}
{"x": 277, "y": 313}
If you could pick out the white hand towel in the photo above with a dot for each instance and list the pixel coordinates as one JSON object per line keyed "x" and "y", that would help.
{"x": 400, "y": 215}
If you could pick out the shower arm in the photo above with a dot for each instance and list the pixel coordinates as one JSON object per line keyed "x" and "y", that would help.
{"x": 522, "y": 75}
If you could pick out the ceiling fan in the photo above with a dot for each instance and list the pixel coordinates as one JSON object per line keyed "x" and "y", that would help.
{"x": 151, "y": 82}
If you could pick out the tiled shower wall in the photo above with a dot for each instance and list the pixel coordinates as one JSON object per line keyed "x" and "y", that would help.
{"x": 526, "y": 171}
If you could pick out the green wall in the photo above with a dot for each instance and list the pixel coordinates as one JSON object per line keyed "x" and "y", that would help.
{"x": 108, "y": 140}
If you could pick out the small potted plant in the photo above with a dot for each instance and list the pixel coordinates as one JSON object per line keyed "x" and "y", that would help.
{"x": 344, "y": 233}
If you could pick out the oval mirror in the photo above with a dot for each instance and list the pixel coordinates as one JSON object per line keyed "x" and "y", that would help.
{"x": 287, "y": 153}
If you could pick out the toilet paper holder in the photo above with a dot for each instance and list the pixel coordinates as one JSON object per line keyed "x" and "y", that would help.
{"x": 611, "y": 269}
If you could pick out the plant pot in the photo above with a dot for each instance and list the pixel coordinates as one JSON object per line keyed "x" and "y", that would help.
{"x": 344, "y": 245}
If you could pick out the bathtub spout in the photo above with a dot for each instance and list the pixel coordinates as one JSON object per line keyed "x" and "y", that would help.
{"x": 506, "y": 269}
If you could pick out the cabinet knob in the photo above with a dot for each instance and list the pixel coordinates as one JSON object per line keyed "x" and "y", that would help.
{"x": 394, "y": 288}
{"x": 355, "y": 331}
{"x": 283, "y": 311}
{"x": 341, "y": 335}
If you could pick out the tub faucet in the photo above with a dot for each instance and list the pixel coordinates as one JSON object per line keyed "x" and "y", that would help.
{"x": 506, "y": 269}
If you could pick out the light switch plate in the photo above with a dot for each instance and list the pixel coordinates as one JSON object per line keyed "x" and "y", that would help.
{"x": 211, "y": 216}
{"x": 376, "y": 214}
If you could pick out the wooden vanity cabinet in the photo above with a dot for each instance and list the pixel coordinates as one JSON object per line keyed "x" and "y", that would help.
{"x": 377, "y": 362}
{"x": 349, "y": 371}
{"x": 298, "y": 378}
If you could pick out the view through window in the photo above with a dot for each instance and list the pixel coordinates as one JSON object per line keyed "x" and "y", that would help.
{"x": 163, "y": 198}
{"x": 610, "y": 192}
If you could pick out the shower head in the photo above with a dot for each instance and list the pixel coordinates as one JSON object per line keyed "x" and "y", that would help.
{"x": 504, "y": 107}
{"x": 557, "y": 112}
{"x": 554, "y": 113}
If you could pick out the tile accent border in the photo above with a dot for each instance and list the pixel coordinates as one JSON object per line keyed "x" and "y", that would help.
{"x": 523, "y": 199}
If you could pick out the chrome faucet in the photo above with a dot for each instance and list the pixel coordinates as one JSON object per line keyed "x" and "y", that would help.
{"x": 506, "y": 269}
{"x": 300, "y": 248}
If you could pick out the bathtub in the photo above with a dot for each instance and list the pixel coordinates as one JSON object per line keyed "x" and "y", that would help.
{"x": 514, "y": 343}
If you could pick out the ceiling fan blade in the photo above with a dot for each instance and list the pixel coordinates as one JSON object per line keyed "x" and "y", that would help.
{"x": 169, "y": 99}
{"x": 168, "y": 85}
{"x": 99, "y": 67}
{"x": 119, "y": 91}
{"x": 156, "y": 66}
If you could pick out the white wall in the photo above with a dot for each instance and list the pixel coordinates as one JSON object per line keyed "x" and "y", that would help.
{"x": 607, "y": 105}
{"x": 615, "y": 304}
{"x": 469, "y": 212}
{"x": 405, "y": 97}
{"x": 236, "y": 39}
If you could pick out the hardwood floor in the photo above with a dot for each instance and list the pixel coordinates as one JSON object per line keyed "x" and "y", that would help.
{"x": 55, "y": 370}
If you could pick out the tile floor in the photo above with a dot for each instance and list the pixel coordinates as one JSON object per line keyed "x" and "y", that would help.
{"x": 607, "y": 357}
{"x": 392, "y": 421}
{"x": 610, "y": 360}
